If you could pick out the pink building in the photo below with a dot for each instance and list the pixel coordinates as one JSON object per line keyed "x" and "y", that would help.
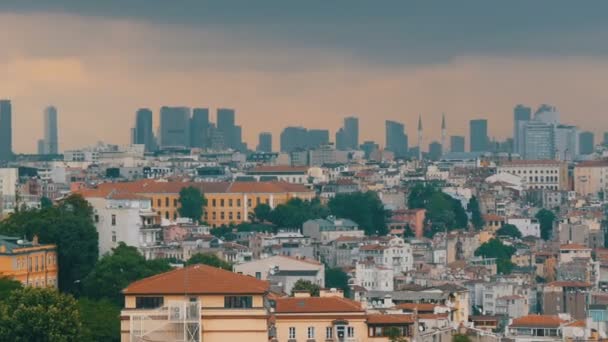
{"x": 412, "y": 217}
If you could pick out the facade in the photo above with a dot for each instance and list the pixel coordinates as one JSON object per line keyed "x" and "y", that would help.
{"x": 586, "y": 143}
{"x": 526, "y": 226}
{"x": 457, "y": 144}
{"x": 174, "y": 127}
{"x": 566, "y": 142}
{"x": 196, "y": 303}
{"x": 143, "y": 129}
{"x": 331, "y": 228}
{"x": 538, "y": 141}
{"x": 29, "y": 262}
{"x": 394, "y": 254}
{"x": 538, "y": 174}
{"x": 591, "y": 177}
{"x": 513, "y": 306}
{"x": 264, "y": 142}
{"x": 6, "y": 131}
{"x": 479, "y": 135}
{"x": 396, "y": 139}
{"x": 9, "y": 178}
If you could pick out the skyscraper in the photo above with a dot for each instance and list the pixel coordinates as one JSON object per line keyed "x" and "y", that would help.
{"x": 521, "y": 114}
{"x": 264, "y": 142}
{"x": 347, "y": 137}
{"x": 434, "y": 150}
{"x": 396, "y": 139}
{"x": 605, "y": 139}
{"x": 420, "y": 137}
{"x": 586, "y": 143}
{"x": 174, "y": 127}
{"x": 456, "y": 143}
{"x": 294, "y": 138}
{"x": 51, "y": 145}
{"x": 143, "y": 129}
{"x": 444, "y": 133}
{"x": 225, "y": 124}
{"x": 539, "y": 140}
{"x": 317, "y": 137}
{"x": 478, "y": 135}
{"x": 199, "y": 128}
{"x": 6, "y": 131}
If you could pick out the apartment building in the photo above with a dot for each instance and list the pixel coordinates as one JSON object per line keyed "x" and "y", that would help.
{"x": 538, "y": 174}
{"x": 591, "y": 177}
{"x": 29, "y": 262}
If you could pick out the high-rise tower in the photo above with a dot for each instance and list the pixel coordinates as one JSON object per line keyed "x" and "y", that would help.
{"x": 6, "y": 130}
{"x": 443, "y": 134}
{"x": 420, "y": 137}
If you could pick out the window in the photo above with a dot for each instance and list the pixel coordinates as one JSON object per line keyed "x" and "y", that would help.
{"x": 221, "y": 202}
{"x": 230, "y": 202}
{"x": 175, "y": 202}
{"x": 292, "y": 332}
{"x": 238, "y": 202}
{"x": 230, "y": 216}
{"x": 167, "y": 215}
{"x": 166, "y": 201}
{"x": 222, "y": 216}
{"x": 329, "y": 333}
{"x": 238, "y": 302}
{"x": 148, "y": 302}
{"x": 113, "y": 236}
{"x": 351, "y": 331}
{"x": 96, "y": 218}
{"x": 258, "y": 275}
{"x": 213, "y": 202}
{"x": 311, "y": 332}
{"x": 257, "y": 200}
{"x": 113, "y": 219}
{"x": 249, "y": 202}
{"x": 159, "y": 202}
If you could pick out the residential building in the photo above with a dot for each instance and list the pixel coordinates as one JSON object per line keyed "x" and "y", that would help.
{"x": 513, "y": 306}
{"x": 570, "y": 297}
{"x": 195, "y": 303}
{"x": 174, "y": 127}
{"x": 331, "y": 228}
{"x": 394, "y": 254}
{"x": 526, "y": 226}
{"x": 538, "y": 174}
{"x": 478, "y": 135}
{"x": 29, "y": 262}
{"x": 283, "y": 173}
{"x": 9, "y": 178}
{"x": 536, "y": 328}
{"x": 591, "y": 177}
{"x": 6, "y": 131}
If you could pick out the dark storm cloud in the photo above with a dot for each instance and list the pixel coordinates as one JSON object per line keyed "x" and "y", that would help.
{"x": 385, "y": 32}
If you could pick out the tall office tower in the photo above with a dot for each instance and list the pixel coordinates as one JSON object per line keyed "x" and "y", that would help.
{"x": 444, "y": 133}
{"x": 456, "y": 143}
{"x": 51, "y": 141}
{"x": 420, "y": 137}
{"x": 566, "y": 142}
{"x": 199, "y": 128}
{"x": 434, "y": 150}
{"x": 174, "y": 127}
{"x": 239, "y": 145}
{"x": 317, "y": 137}
{"x": 41, "y": 146}
{"x": 539, "y": 141}
{"x": 225, "y": 124}
{"x": 547, "y": 114}
{"x": 521, "y": 115}
{"x": 143, "y": 129}
{"x": 396, "y": 140}
{"x": 586, "y": 143}
{"x": 369, "y": 147}
{"x": 264, "y": 142}
{"x": 479, "y": 135}
{"x": 605, "y": 139}
{"x": 6, "y": 131}
{"x": 347, "y": 137}
{"x": 294, "y": 138}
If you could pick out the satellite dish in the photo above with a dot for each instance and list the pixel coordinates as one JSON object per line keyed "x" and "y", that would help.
{"x": 421, "y": 328}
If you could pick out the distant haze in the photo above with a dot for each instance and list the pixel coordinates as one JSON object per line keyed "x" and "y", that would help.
{"x": 309, "y": 65}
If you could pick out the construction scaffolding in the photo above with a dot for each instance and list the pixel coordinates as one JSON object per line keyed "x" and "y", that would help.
{"x": 179, "y": 321}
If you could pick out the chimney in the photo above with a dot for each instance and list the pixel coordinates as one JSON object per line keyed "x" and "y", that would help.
{"x": 301, "y": 294}
{"x": 35, "y": 240}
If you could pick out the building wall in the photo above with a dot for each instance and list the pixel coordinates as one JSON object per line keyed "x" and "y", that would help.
{"x": 590, "y": 180}
{"x": 32, "y": 266}
{"x": 320, "y": 322}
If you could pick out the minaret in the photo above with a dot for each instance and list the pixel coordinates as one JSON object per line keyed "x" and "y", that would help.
{"x": 443, "y": 134}
{"x": 420, "y": 137}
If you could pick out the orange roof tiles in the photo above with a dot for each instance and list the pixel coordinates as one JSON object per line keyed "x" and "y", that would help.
{"x": 569, "y": 283}
{"x": 198, "y": 279}
{"x": 390, "y": 319}
{"x": 594, "y": 163}
{"x": 316, "y": 305}
{"x": 541, "y": 321}
{"x": 573, "y": 246}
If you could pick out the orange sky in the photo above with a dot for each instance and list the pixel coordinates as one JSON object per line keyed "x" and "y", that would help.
{"x": 98, "y": 71}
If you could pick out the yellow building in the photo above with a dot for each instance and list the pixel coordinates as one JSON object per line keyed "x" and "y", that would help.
{"x": 196, "y": 303}
{"x": 227, "y": 202}
{"x": 31, "y": 263}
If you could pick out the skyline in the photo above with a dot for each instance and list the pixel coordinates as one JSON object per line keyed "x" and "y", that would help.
{"x": 230, "y": 55}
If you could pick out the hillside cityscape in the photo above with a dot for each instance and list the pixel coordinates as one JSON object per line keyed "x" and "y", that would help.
{"x": 192, "y": 232}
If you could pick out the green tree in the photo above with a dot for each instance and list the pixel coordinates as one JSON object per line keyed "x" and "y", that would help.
{"x": 442, "y": 211}
{"x": 262, "y": 212}
{"x": 45, "y": 202}
{"x": 546, "y": 218}
{"x": 306, "y": 285}
{"x": 297, "y": 211}
{"x": 461, "y": 338}
{"x": 69, "y": 225}
{"x": 100, "y": 320}
{"x": 116, "y": 271}
{"x": 40, "y": 314}
{"x": 209, "y": 259}
{"x": 7, "y": 286}
{"x": 365, "y": 208}
{"x": 501, "y": 252}
{"x": 476, "y": 218}
{"x": 509, "y": 230}
{"x": 192, "y": 202}
{"x": 395, "y": 334}
{"x": 337, "y": 278}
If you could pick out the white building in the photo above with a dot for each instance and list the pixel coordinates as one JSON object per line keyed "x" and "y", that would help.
{"x": 331, "y": 228}
{"x": 395, "y": 254}
{"x": 538, "y": 174}
{"x": 374, "y": 277}
{"x": 9, "y": 177}
{"x": 526, "y": 226}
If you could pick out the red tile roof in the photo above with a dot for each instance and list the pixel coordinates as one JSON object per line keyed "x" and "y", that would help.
{"x": 574, "y": 246}
{"x": 569, "y": 283}
{"x": 540, "y": 321}
{"x": 390, "y": 319}
{"x": 594, "y": 163}
{"x": 198, "y": 279}
{"x": 316, "y": 305}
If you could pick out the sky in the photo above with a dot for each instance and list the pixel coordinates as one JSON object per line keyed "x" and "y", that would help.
{"x": 312, "y": 63}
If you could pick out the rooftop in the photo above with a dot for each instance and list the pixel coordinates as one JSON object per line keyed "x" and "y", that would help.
{"x": 534, "y": 321}
{"x": 316, "y": 305}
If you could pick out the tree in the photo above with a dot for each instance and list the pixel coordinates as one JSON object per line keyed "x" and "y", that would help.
{"x": 297, "y": 211}
{"x": 499, "y": 251}
{"x": 365, "y": 208}
{"x": 395, "y": 334}
{"x": 191, "y": 202}
{"x": 476, "y": 218}
{"x": 337, "y": 278}
{"x": 546, "y": 218}
{"x": 209, "y": 259}
{"x": 262, "y": 212}
{"x": 69, "y": 225}
{"x": 443, "y": 213}
{"x": 40, "y": 314}
{"x": 100, "y": 320}
{"x": 45, "y": 202}
{"x": 7, "y": 286}
{"x": 461, "y": 338}
{"x": 306, "y": 285}
{"x": 116, "y": 271}
{"x": 509, "y": 230}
